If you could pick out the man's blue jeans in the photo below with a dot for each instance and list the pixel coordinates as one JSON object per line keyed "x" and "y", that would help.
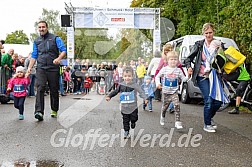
{"x": 210, "y": 105}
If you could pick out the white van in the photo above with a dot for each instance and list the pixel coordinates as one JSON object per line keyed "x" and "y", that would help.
{"x": 183, "y": 45}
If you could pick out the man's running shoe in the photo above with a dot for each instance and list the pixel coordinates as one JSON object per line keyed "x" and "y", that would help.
{"x": 54, "y": 114}
{"x": 39, "y": 116}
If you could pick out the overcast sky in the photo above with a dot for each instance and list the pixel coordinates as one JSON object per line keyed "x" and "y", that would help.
{"x": 21, "y": 15}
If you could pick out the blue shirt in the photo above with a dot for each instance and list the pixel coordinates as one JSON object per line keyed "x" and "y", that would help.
{"x": 59, "y": 43}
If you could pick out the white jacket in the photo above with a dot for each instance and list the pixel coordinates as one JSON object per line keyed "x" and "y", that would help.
{"x": 153, "y": 66}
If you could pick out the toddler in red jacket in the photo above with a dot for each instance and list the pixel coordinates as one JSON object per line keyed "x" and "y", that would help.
{"x": 19, "y": 83}
{"x": 87, "y": 84}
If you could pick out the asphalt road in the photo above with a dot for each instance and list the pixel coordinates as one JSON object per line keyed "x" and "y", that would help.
{"x": 88, "y": 133}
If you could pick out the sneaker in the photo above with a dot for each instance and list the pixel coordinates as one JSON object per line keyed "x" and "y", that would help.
{"x": 126, "y": 134}
{"x": 54, "y": 114}
{"x": 39, "y": 116}
{"x": 171, "y": 111}
{"x": 162, "y": 122}
{"x": 234, "y": 111}
{"x": 21, "y": 117}
{"x": 150, "y": 110}
{"x": 213, "y": 124}
{"x": 209, "y": 128}
{"x": 133, "y": 125}
{"x": 178, "y": 125}
{"x": 163, "y": 113}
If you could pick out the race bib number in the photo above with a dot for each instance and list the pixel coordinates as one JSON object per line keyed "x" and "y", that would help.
{"x": 170, "y": 82}
{"x": 19, "y": 88}
{"x": 127, "y": 97}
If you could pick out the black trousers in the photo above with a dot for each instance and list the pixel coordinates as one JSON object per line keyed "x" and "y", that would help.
{"x": 158, "y": 94}
{"x": 19, "y": 104}
{"x": 52, "y": 78}
{"x": 127, "y": 118}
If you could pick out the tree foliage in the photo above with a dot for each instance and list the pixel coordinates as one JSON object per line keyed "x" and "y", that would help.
{"x": 92, "y": 44}
{"x": 52, "y": 19}
{"x": 232, "y": 18}
{"x": 133, "y": 44}
{"x": 17, "y": 37}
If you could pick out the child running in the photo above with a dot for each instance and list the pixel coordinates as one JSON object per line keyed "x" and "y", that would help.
{"x": 19, "y": 83}
{"x": 148, "y": 88}
{"x": 171, "y": 73}
{"x": 128, "y": 100}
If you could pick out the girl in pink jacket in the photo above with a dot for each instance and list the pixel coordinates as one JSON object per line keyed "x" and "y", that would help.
{"x": 19, "y": 83}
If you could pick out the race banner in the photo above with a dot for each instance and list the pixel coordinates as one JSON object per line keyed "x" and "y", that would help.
{"x": 113, "y": 18}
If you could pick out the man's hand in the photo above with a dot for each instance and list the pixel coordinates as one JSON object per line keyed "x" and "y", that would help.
{"x": 189, "y": 71}
{"x": 6, "y": 66}
{"x": 107, "y": 98}
{"x": 28, "y": 71}
{"x": 159, "y": 86}
{"x": 27, "y": 75}
{"x": 56, "y": 61}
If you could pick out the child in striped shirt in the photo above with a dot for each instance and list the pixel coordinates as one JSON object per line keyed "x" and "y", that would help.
{"x": 170, "y": 78}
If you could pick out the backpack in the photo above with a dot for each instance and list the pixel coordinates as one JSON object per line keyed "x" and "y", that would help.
{"x": 234, "y": 62}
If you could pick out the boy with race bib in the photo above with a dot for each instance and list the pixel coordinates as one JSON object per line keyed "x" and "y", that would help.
{"x": 128, "y": 100}
{"x": 170, "y": 77}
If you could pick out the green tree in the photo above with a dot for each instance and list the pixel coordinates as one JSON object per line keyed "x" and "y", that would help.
{"x": 232, "y": 19}
{"x": 52, "y": 19}
{"x": 237, "y": 24}
{"x": 17, "y": 37}
{"x": 92, "y": 44}
{"x": 133, "y": 44}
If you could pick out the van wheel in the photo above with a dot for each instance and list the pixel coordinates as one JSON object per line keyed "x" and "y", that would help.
{"x": 185, "y": 95}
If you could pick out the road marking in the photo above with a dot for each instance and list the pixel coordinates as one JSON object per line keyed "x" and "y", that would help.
{"x": 79, "y": 109}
